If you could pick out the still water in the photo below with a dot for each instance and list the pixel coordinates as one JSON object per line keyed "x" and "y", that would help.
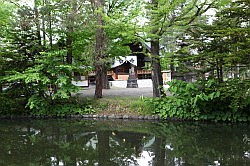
{"x": 128, "y": 143}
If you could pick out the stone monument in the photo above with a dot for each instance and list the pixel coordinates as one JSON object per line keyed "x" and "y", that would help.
{"x": 132, "y": 80}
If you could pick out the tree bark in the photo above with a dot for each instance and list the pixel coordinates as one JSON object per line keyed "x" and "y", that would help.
{"x": 221, "y": 70}
{"x": 105, "y": 80}
{"x": 43, "y": 25}
{"x": 157, "y": 79}
{"x": 50, "y": 29}
{"x": 70, "y": 30}
{"x": 69, "y": 57}
{"x": 156, "y": 71}
{"x": 38, "y": 27}
{"x": 99, "y": 50}
{"x": 99, "y": 85}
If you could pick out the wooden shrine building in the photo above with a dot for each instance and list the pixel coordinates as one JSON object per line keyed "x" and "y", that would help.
{"x": 121, "y": 66}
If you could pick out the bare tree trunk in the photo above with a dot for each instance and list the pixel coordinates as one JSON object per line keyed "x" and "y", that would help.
{"x": 99, "y": 50}
{"x": 157, "y": 79}
{"x": 105, "y": 80}
{"x": 98, "y": 88}
{"x": 156, "y": 71}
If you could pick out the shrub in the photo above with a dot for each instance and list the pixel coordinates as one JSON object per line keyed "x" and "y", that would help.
{"x": 205, "y": 100}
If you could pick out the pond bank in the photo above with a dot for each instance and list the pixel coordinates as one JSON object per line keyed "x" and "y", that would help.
{"x": 94, "y": 117}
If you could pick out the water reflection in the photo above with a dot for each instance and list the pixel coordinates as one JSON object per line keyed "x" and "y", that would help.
{"x": 107, "y": 143}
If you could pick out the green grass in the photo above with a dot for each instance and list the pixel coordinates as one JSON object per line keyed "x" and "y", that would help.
{"x": 119, "y": 105}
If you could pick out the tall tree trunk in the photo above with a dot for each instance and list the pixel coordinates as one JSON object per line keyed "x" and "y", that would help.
{"x": 38, "y": 28}
{"x": 70, "y": 30}
{"x": 99, "y": 50}
{"x": 69, "y": 57}
{"x": 105, "y": 80}
{"x": 50, "y": 29}
{"x": 43, "y": 25}
{"x": 156, "y": 71}
{"x": 172, "y": 71}
{"x": 69, "y": 39}
{"x": 157, "y": 79}
{"x": 221, "y": 70}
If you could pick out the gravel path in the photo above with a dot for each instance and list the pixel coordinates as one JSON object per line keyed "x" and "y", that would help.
{"x": 118, "y": 92}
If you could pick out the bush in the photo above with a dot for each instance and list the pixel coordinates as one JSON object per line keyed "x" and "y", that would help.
{"x": 59, "y": 107}
{"x": 205, "y": 100}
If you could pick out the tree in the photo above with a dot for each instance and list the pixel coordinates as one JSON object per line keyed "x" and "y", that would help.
{"x": 5, "y": 27}
{"x": 163, "y": 16}
{"x": 115, "y": 30}
{"x": 39, "y": 69}
{"x": 222, "y": 47}
{"x": 99, "y": 47}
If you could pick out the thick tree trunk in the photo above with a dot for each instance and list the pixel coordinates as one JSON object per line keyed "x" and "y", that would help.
{"x": 219, "y": 70}
{"x": 69, "y": 57}
{"x": 69, "y": 40}
{"x": 105, "y": 80}
{"x": 98, "y": 88}
{"x": 99, "y": 50}
{"x": 157, "y": 79}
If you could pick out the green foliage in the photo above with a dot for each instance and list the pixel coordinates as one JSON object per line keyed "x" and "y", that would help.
{"x": 140, "y": 107}
{"x": 59, "y": 107}
{"x": 205, "y": 100}
{"x": 10, "y": 106}
{"x": 5, "y": 15}
{"x": 219, "y": 48}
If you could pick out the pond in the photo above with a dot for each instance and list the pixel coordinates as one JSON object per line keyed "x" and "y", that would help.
{"x": 107, "y": 143}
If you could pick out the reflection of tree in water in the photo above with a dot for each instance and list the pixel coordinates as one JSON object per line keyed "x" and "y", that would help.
{"x": 90, "y": 143}
{"x": 66, "y": 144}
{"x": 127, "y": 146}
{"x": 199, "y": 144}
{"x": 133, "y": 140}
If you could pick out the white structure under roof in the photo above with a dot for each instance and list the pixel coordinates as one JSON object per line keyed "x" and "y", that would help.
{"x": 119, "y": 61}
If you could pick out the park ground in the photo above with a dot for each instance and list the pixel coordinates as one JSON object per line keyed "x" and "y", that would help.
{"x": 119, "y": 100}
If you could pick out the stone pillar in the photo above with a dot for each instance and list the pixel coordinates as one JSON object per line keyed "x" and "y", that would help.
{"x": 132, "y": 80}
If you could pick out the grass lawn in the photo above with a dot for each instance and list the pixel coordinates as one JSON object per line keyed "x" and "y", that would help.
{"x": 133, "y": 106}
